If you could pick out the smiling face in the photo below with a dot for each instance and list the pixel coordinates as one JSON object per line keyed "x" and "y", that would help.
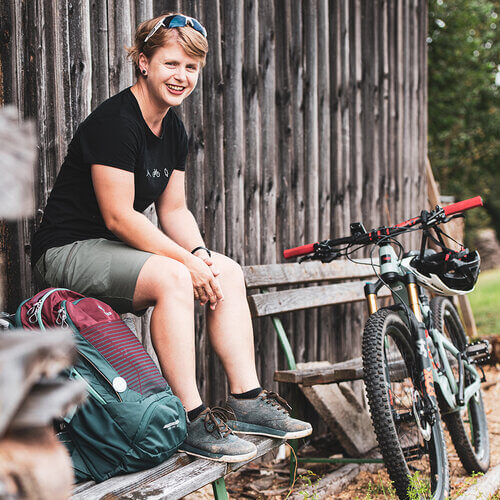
{"x": 171, "y": 74}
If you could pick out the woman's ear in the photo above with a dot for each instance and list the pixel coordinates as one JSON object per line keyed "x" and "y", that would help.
{"x": 143, "y": 64}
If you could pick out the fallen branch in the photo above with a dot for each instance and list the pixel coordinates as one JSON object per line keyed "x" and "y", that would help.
{"x": 485, "y": 486}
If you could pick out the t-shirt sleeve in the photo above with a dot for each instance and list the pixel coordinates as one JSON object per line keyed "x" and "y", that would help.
{"x": 182, "y": 151}
{"x": 110, "y": 141}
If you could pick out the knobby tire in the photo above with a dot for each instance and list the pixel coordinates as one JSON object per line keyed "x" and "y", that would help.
{"x": 468, "y": 429}
{"x": 389, "y": 360}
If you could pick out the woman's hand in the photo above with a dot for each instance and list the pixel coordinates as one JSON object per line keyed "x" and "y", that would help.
{"x": 205, "y": 285}
{"x": 203, "y": 255}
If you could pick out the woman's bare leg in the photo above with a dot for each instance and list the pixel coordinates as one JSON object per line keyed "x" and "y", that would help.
{"x": 230, "y": 327}
{"x": 166, "y": 284}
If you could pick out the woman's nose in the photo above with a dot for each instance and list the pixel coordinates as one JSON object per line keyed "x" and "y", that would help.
{"x": 180, "y": 73}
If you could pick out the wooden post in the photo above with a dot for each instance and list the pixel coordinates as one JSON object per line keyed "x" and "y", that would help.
{"x": 463, "y": 300}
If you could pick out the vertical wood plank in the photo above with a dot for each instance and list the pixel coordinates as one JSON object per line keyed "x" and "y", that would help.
{"x": 119, "y": 37}
{"x": 195, "y": 187}
{"x": 253, "y": 165}
{"x": 143, "y": 11}
{"x": 297, "y": 177}
{"x": 400, "y": 84}
{"x": 325, "y": 323}
{"x": 233, "y": 136}
{"x": 215, "y": 226}
{"x": 346, "y": 103}
{"x": 209, "y": 368}
{"x": 100, "y": 49}
{"x": 311, "y": 152}
{"x": 384, "y": 104}
{"x": 284, "y": 129}
{"x": 268, "y": 155}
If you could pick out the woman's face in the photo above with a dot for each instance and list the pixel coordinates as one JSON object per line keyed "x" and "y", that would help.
{"x": 171, "y": 74}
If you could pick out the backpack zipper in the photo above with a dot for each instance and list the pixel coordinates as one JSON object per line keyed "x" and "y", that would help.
{"x": 39, "y": 305}
{"x": 171, "y": 424}
{"x": 90, "y": 389}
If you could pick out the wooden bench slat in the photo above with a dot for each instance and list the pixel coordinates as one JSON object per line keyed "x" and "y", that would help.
{"x": 172, "y": 479}
{"x": 321, "y": 372}
{"x": 265, "y": 304}
{"x": 307, "y": 272}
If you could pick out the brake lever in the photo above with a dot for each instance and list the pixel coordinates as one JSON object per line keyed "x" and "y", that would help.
{"x": 331, "y": 256}
{"x": 451, "y": 217}
{"x": 323, "y": 255}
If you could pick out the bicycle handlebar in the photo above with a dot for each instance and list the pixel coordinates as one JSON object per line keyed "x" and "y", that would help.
{"x": 374, "y": 235}
{"x": 461, "y": 206}
{"x": 297, "y": 251}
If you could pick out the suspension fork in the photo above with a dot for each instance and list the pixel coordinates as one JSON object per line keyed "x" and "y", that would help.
{"x": 371, "y": 290}
{"x": 421, "y": 335}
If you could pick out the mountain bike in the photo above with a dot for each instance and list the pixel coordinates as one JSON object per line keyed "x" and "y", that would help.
{"x": 419, "y": 367}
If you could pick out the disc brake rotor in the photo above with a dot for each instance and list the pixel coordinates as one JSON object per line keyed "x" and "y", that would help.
{"x": 423, "y": 427}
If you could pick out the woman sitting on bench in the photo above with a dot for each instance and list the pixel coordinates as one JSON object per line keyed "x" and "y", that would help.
{"x": 131, "y": 152}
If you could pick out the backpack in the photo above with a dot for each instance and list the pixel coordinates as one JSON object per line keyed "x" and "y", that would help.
{"x": 131, "y": 420}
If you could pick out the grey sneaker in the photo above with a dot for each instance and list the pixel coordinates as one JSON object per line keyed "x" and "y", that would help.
{"x": 209, "y": 437}
{"x": 265, "y": 415}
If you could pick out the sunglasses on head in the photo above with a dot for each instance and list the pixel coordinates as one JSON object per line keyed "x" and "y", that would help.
{"x": 177, "y": 21}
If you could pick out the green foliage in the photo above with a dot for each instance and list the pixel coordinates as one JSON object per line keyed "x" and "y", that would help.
{"x": 464, "y": 118}
{"x": 310, "y": 481}
{"x": 376, "y": 489}
{"x": 418, "y": 487}
{"x": 484, "y": 301}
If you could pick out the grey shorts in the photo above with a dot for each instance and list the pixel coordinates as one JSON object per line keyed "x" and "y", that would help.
{"x": 100, "y": 268}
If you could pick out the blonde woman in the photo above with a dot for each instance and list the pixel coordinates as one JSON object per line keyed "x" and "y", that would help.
{"x": 131, "y": 152}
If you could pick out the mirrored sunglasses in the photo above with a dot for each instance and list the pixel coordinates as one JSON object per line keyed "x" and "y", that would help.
{"x": 177, "y": 21}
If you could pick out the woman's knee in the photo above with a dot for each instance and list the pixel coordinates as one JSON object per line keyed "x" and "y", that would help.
{"x": 229, "y": 269}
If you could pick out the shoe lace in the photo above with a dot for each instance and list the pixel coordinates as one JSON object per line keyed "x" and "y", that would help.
{"x": 215, "y": 419}
{"x": 275, "y": 399}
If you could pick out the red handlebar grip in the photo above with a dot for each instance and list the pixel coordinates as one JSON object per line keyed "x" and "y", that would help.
{"x": 461, "y": 206}
{"x": 296, "y": 251}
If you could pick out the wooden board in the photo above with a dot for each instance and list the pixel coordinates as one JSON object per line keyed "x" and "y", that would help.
{"x": 34, "y": 465}
{"x": 24, "y": 358}
{"x": 175, "y": 478}
{"x": 306, "y": 272}
{"x": 46, "y": 401}
{"x": 265, "y": 304}
{"x": 17, "y": 159}
{"x": 344, "y": 414}
{"x": 321, "y": 372}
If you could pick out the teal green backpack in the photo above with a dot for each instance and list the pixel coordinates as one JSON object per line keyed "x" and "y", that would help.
{"x": 130, "y": 421}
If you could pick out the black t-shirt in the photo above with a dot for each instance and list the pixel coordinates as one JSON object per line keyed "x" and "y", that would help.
{"x": 114, "y": 134}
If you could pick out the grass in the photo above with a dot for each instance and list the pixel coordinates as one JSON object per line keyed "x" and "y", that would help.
{"x": 485, "y": 302}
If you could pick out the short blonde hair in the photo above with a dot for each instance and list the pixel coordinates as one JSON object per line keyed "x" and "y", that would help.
{"x": 193, "y": 42}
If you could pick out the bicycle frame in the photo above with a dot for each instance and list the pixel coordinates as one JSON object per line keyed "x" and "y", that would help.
{"x": 427, "y": 338}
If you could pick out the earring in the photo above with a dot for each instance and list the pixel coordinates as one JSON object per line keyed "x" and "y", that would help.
{"x": 144, "y": 72}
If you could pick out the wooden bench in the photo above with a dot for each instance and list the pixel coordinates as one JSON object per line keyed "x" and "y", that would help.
{"x": 322, "y": 382}
{"x": 173, "y": 479}
{"x": 337, "y": 404}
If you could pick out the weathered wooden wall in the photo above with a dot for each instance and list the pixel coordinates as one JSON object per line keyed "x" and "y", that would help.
{"x": 309, "y": 115}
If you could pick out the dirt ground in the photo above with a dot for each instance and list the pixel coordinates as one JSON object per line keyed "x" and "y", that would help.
{"x": 269, "y": 480}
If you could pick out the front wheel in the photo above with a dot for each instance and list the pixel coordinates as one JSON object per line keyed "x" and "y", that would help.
{"x": 468, "y": 428}
{"x": 410, "y": 438}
